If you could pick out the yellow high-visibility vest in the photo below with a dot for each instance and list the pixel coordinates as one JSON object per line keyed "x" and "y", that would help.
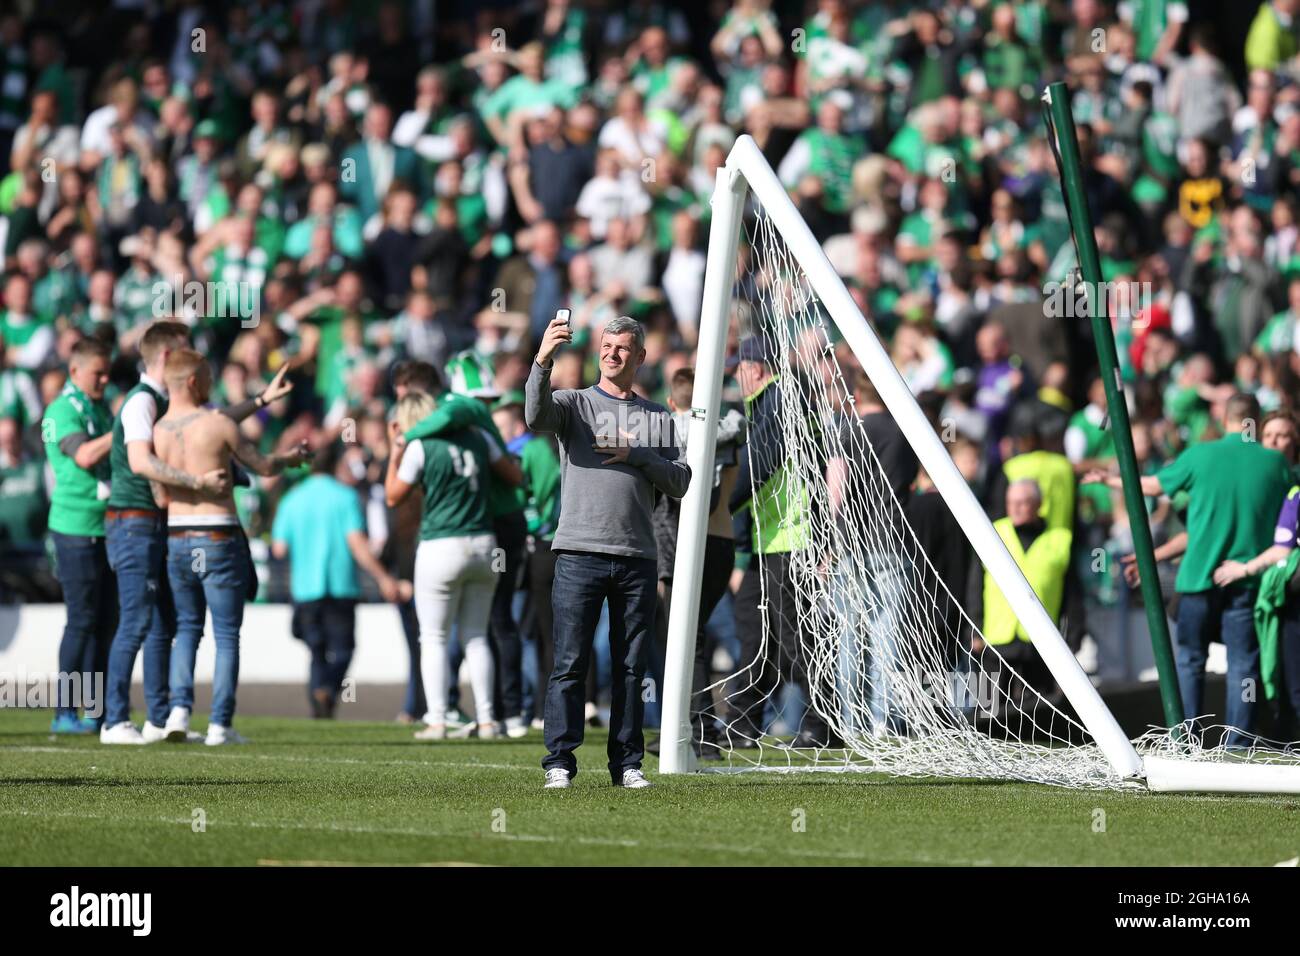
{"x": 1045, "y": 564}
{"x": 1055, "y": 477}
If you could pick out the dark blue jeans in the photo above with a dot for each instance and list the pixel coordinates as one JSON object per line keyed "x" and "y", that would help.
{"x": 583, "y": 582}
{"x": 91, "y": 599}
{"x": 208, "y": 572}
{"x": 137, "y": 552}
{"x": 1223, "y": 614}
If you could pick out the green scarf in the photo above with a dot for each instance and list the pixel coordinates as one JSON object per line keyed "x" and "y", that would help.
{"x": 1268, "y": 620}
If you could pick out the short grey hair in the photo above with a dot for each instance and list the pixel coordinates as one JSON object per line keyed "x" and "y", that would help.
{"x": 625, "y": 323}
{"x": 1029, "y": 484}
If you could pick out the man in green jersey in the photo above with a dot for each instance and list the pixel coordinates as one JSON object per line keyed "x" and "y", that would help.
{"x": 1236, "y": 486}
{"x": 77, "y": 431}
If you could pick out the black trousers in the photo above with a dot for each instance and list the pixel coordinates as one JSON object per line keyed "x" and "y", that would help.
{"x": 414, "y": 704}
{"x": 541, "y": 578}
{"x": 1288, "y": 703}
{"x": 719, "y": 559}
{"x": 1026, "y": 692}
{"x": 328, "y": 627}
{"x": 781, "y": 659}
{"x": 503, "y": 630}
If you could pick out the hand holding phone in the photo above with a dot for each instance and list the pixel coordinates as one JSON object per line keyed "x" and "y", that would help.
{"x": 559, "y": 331}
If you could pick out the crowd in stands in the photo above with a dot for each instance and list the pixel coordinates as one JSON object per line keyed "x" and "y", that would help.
{"x": 343, "y": 185}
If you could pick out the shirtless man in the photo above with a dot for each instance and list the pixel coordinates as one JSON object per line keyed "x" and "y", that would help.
{"x": 208, "y": 563}
{"x": 136, "y": 534}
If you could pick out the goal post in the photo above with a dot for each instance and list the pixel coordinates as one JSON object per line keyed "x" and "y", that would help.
{"x": 746, "y": 168}
{"x": 675, "y": 754}
{"x": 936, "y": 740}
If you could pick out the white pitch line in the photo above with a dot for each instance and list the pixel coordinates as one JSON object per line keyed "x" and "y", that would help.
{"x": 227, "y": 754}
{"x": 207, "y": 753}
{"x": 507, "y": 837}
{"x": 362, "y": 863}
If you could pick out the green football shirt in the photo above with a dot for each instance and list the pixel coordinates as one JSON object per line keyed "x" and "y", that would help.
{"x": 1235, "y": 487}
{"x": 80, "y": 496}
{"x": 455, "y": 412}
{"x": 453, "y": 471}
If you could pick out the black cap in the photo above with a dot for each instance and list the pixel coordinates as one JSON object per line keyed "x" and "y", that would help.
{"x": 754, "y": 349}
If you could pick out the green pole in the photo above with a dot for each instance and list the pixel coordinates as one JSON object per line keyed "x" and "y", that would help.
{"x": 1058, "y": 103}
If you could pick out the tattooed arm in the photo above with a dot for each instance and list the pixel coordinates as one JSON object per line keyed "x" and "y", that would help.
{"x": 140, "y": 455}
{"x": 265, "y": 465}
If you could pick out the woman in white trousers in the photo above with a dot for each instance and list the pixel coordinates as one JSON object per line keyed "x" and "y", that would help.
{"x": 454, "y": 576}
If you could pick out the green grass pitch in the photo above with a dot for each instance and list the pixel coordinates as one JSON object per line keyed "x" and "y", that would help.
{"x": 308, "y": 793}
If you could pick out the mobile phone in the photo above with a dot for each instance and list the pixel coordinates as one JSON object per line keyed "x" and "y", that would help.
{"x": 566, "y": 315}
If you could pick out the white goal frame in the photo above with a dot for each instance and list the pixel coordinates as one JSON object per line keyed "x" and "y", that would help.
{"x": 747, "y": 170}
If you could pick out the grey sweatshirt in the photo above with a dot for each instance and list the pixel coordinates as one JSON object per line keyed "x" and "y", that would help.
{"x": 607, "y": 508}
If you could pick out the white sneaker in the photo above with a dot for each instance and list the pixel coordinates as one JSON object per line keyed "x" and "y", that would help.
{"x": 152, "y": 733}
{"x": 538, "y": 724}
{"x": 219, "y": 736}
{"x": 634, "y": 780}
{"x": 123, "y": 733}
{"x": 432, "y": 732}
{"x": 178, "y": 725}
{"x": 557, "y": 778}
{"x": 516, "y": 728}
{"x": 487, "y": 731}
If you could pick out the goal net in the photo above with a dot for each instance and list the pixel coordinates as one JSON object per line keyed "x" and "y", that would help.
{"x": 864, "y": 660}
{"x": 855, "y": 650}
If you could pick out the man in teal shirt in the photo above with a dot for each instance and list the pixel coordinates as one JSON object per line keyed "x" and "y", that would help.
{"x": 78, "y": 433}
{"x": 319, "y": 527}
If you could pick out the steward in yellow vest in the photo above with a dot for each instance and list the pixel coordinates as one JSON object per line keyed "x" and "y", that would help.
{"x": 1033, "y": 451}
{"x": 1045, "y": 562}
{"x": 1055, "y": 477}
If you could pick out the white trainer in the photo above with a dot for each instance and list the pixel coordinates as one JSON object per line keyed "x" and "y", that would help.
{"x": 123, "y": 733}
{"x": 557, "y": 778}
{"x": 152, "y": 733}
{"x": 634, "y": 780}
{"x": 219, "y": 736}
{"x": 432, "y": 732}
{"x": 516, "y": 728}
{"x": 178, "y": 725}
{"x": 487, "y": 731}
